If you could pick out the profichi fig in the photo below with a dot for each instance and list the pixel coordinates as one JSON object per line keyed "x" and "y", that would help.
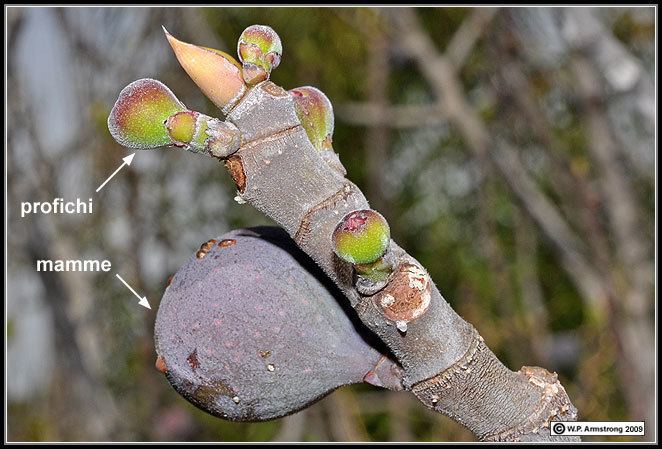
{"x": 250, "y": 329}
{"x": 139, "y": 114}
{"x": 315, "y": 112}
{"x": 148, "y": 115}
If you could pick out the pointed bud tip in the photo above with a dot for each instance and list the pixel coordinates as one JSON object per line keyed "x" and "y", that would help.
{"x": 217, "y": 74}
{"x": 373, "y": 379}
{"x": 160, "y": 365}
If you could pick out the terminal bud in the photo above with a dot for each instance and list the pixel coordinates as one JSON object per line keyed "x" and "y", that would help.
{"x": 216, "y": 73}
{"x": 259, "y": 49}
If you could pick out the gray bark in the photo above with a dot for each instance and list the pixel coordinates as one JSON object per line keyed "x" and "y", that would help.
{"x": 446, "y": 363}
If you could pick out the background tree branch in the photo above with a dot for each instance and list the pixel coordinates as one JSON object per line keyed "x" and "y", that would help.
{"x": 557, "y": 285}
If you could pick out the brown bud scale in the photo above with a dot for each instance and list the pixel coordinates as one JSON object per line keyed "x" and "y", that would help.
{"x": 161, "y": 365}
{"x": 236, "y": 169}
{"x": 204, "y": 248}
{"x": 226, "y": 242}
{"x": 407, "y": 296}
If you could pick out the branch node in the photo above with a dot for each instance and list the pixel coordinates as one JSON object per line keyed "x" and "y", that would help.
{"x": 305, "y": 226}
{"x": 426, "y": 390}
{"x": 554, "y": 405}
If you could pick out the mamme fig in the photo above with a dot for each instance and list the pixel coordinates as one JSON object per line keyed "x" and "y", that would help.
{"x": 249, "y": 329}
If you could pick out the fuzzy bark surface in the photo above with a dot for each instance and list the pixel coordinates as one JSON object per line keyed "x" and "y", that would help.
{"x": 445, "y": 361}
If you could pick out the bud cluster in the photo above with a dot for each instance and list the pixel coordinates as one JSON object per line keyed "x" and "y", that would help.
{"x": 148, "y": 115}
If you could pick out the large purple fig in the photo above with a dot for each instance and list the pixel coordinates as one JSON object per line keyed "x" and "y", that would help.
{"x": 250, "y": 329}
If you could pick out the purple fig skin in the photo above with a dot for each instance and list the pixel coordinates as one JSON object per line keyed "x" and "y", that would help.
{"x": 249, "y": 329}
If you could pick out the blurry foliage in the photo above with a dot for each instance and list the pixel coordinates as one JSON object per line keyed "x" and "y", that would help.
{"x": 328, "y": 48}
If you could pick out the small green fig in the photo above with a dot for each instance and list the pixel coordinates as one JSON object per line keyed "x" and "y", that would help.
{"x": 200, "y": 133}
{"x": 361, "y": 237}
{"x": 259, "y": 49}
{"x": 148, "y": 115}
{"x": 315, "y": 113}
{"x": 138, "y": 116}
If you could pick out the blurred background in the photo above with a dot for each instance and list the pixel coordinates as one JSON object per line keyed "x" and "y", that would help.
{"x": 511, "y": 150}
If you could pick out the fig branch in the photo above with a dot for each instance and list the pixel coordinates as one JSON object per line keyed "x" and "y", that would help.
{"x": 277, "y": 146}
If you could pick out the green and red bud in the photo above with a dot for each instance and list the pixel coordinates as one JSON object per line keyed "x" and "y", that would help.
{"x": 138, "y": 116}
{"x": 148, "y": 115}
{"x": 315, "y": 113}
{"x": 259, "y": 49}
{"x": 216, "y": 73}
{"x": 362, "y": 237}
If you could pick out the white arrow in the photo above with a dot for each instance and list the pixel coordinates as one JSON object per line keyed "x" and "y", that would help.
{"x": 143, "y": 301}
{"x": 127, "y": 161}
